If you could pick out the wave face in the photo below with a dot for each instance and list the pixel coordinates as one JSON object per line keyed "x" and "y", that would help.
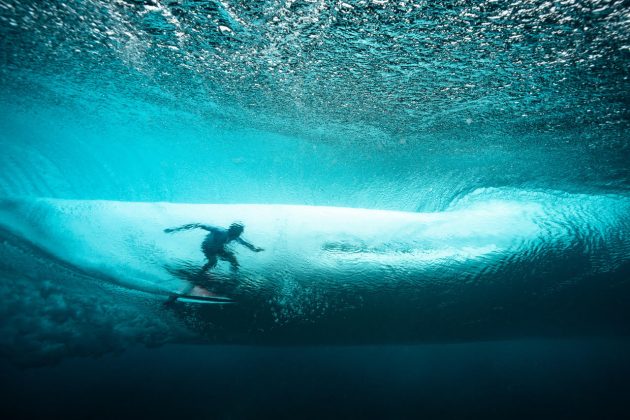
{"x": 416, "y": 171}
{"x": 489, "y": 267}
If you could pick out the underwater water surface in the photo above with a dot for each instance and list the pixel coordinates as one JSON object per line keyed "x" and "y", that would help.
{"x": 436, "y": 193}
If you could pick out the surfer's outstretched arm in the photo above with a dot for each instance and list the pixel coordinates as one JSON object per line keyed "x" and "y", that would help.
{"x": 188, "y": 227}
{"x": 248, "y": 245}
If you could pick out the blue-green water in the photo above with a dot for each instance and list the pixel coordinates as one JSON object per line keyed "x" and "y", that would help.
{"x": 442, "y": 186}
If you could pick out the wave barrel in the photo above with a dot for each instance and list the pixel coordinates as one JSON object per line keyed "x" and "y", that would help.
{"x": 494, "y": 265}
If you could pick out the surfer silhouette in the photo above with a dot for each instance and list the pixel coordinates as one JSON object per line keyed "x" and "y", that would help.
{"x": 213, "y": 246}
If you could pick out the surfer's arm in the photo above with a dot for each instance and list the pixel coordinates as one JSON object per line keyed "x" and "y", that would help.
{"x": 190, "y": 226}
{"x": 248, "y": 245}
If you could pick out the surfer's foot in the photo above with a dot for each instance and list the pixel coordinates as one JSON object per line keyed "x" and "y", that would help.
{"x": 172, "y": 298}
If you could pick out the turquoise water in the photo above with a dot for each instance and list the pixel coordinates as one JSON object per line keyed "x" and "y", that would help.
{"x": 431, "y": 177}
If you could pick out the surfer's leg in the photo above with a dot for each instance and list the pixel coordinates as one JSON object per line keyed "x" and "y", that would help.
{"x": 231, "y": 258}
{"x": 212, "y": 261}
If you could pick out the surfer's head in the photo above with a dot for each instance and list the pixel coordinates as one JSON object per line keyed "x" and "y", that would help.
{"x": 235, "y": 229}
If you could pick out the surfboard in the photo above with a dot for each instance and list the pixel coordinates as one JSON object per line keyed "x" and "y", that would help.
{"x": 221, "y": 300}
{"x": 198, "y": 294}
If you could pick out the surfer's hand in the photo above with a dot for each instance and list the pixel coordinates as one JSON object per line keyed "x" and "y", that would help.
{"x": 168, "y": 230}
{"x": 259, "y": 249}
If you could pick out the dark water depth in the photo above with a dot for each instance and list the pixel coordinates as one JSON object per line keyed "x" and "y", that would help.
{"x": 552, "y": 379}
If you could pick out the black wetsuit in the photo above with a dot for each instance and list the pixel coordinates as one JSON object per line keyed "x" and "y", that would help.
{"x": 213, "y": 246}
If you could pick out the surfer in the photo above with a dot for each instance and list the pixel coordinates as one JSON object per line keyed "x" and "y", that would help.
{"x": 213, "y": 246}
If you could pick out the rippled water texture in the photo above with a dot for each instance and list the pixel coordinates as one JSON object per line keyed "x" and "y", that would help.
{"x": 494, "y": 133}
{"x": 384, "y": 104}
